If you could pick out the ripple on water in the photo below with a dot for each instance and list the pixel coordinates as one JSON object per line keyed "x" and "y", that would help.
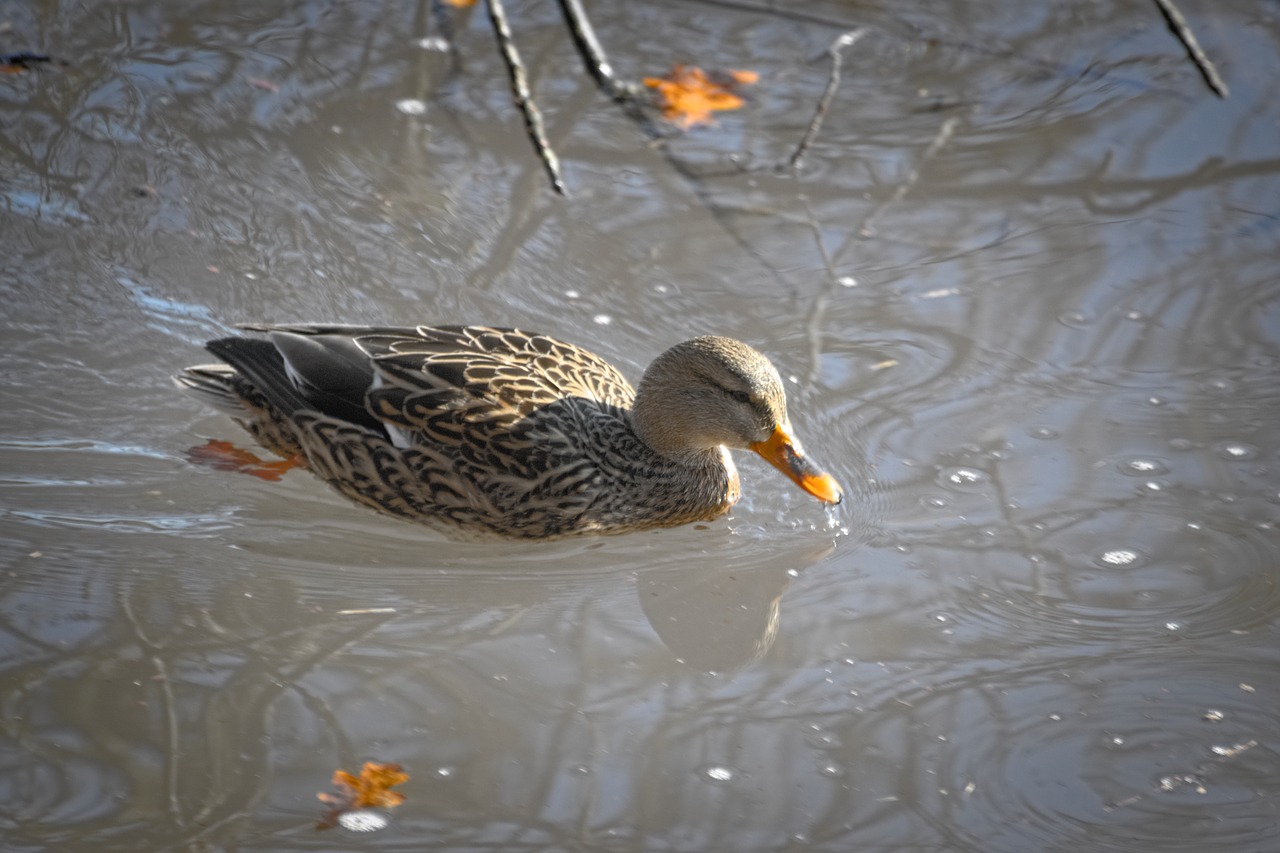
{"x": 1114, "y": 753}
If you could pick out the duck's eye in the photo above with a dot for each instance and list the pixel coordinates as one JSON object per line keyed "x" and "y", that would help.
{"x": 741, "y": 396}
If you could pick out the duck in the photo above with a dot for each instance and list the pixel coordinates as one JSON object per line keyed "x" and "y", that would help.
{"x": 483, "y": 432}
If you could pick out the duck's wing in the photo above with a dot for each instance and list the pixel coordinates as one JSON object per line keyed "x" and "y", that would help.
{"x": 432, "y": 380}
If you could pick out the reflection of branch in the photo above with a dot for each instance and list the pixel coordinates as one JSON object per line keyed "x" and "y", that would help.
{"x": 1182, "y": 30}
{"x": 943, "y": 136}
{"x": 524, "y": 98}
{"x": 824, "y": 103}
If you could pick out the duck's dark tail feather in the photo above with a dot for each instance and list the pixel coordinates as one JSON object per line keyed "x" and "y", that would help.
{"x": 261, "y": 365}
{"x": 215, "y": 384}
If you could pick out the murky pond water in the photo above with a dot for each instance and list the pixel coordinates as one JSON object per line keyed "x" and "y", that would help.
{"x": 1026, "y": 294}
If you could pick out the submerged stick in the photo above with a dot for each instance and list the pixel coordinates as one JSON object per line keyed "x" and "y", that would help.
{"x": 524, "y": 98}
{"x": 824, "y": 103}
{"x": 1182, "y": 30}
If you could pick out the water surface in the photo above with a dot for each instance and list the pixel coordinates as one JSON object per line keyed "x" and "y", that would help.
{"x": 1025, "y": 295}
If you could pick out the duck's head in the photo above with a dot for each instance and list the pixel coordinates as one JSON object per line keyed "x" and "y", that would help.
{"x": 714, "y": 391}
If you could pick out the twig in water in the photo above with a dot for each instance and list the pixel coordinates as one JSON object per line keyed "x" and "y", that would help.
{"x": 824, "y": 103}
{"x": 1182, "y": 30}
{"x": 593, "y": 56}
{"x": 524, "y": 98}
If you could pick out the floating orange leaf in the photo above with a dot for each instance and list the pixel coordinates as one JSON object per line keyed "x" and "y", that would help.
{"x": 688, "y": 95}
{"x": 225, "y": 456}
{"x": 370, "y": 790}
{"x": 459, "y": 4}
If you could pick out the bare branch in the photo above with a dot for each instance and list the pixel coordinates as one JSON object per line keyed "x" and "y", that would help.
{"x": 1182, "y": 30}
{"x": 844, "y": 40}
{"x": 593, "y": 55}
{"x": 524, "y": 98}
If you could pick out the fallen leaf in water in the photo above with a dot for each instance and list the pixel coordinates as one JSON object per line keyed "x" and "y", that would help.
{"x": 370, "y": 790}
{"x": 225, "y": 456}
{"x": 688, "y": 95}
{"x": 459, "y": 4}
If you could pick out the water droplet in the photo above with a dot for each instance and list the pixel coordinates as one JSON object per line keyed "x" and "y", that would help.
{"x": 1235, "y": 450}
{"x": 1155, "y": 401}
{"x": 1118, "y": 557}
{"x": 831, "y": 771}
{"x": 433, "y": 43}
{"x": 933, "y": 502}
{"x": 571, "y": 294}
{"x": 1074, "y": 319}
{"x": 444, "y": 772}
{"x": 363, "y": 820}
{"x": 602, "y": 319}
{"x": 1142, "y": 466}
{"x": 717, "y": 773}
{"x": 1044, "y": 433}
{"x": 411, "y": 106}
{"x": 847, "y": 281}
{"x": 962, "y": 478}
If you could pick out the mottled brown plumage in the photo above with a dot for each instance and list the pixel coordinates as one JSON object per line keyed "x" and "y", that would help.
{"x": 480, "y": 431}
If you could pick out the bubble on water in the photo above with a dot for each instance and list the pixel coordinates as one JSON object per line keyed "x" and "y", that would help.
{"x": 1220, "y": 387}
{"x": 1118, "y": 557}
{"x": 1236, "y": 451}
{"x": 1155, "y": 401}
{"x": 847, "y": 281}
{"x": 831, "y": 771}
{"x": 572, "y": 294}
{"x": 933, "y": 502}
{"x": 1173, "y": 627}
{"x": 602, "y": 319}
{"x": 1044, "y": 433}
{"x": 432, "y": 43}
{"x": 1074, "y": 319}
{"x": 411, "y": 106}
{"x": 444, "y": 772}
{"x": 1213, "y": 715}
{"x": 962, "y": 478}
{"x": 363, "y": 820}
{"x": 1182, "y": 444}
{"x": 1142, "y": 466}
{"x": 718, "y": 773}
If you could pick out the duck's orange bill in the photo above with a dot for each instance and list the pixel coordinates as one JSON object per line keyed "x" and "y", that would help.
{"x": 782, "y": 451}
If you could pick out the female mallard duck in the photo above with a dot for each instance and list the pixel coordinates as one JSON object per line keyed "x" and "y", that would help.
{"x": 476, "y": 430}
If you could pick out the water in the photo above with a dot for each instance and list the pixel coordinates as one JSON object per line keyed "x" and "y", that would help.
{"x": 1024, "y": 296}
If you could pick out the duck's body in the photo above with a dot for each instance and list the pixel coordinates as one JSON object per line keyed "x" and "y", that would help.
{"x": 495, "y": 431}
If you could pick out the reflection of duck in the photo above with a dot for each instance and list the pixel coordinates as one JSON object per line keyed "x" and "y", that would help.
{"x": 714, "y": 619}
{"x": 494, "y": 431}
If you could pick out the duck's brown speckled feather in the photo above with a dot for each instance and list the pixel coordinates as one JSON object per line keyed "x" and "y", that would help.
{"x": 471, "y": 429}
